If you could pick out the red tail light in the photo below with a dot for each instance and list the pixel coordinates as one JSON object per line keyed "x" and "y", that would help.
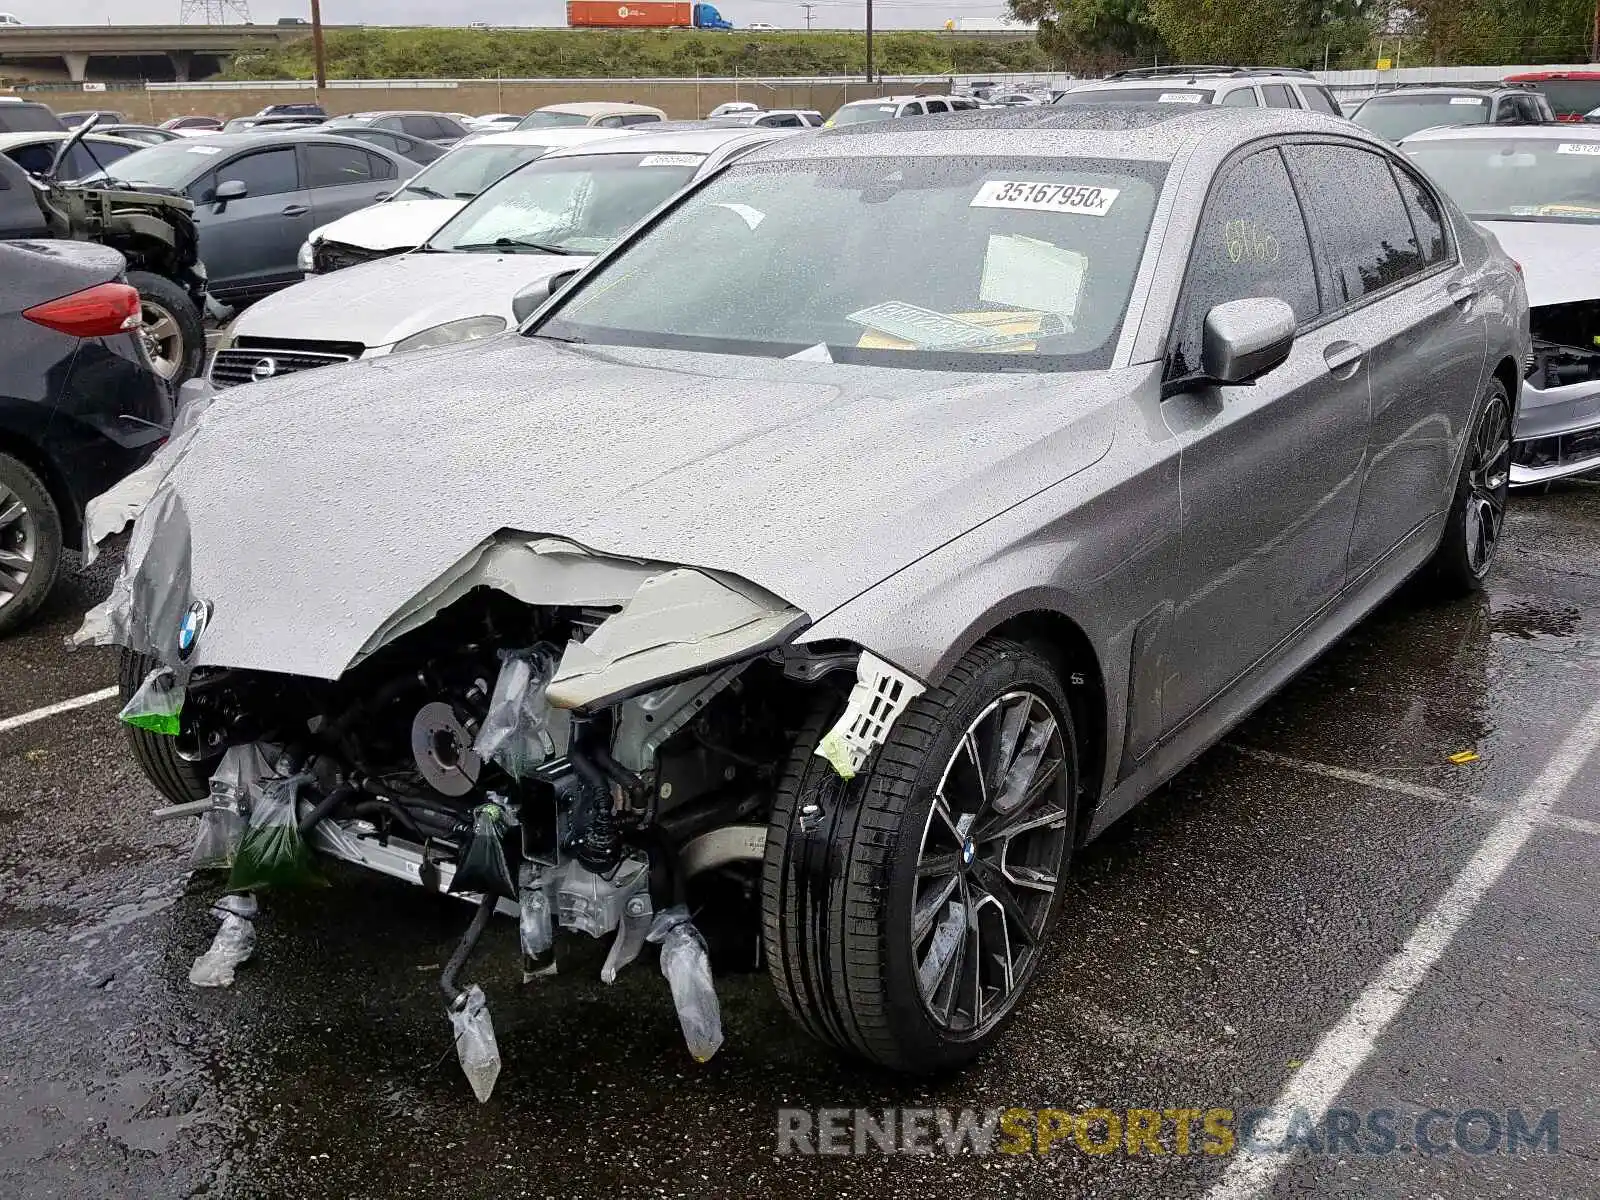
{"x": 95, "y": 312}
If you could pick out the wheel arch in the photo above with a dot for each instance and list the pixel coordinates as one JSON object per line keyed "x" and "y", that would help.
{"x": 1509, "y": 372}
{"x": 28, "y": 452}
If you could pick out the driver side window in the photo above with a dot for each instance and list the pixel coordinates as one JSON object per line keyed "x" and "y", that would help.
{"x": 1252, "y": 242}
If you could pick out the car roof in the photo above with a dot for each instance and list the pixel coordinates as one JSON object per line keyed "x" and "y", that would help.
{"x": 1565, "y": 132}
{"x": 1448, "y": 89}
{"x": 377, "y": 113}
{"x": 672, "y": 141}
{"x": 8, "y": 140}
{"x": 1129, "y": 132}
{"x": 557, "y": 136}
{"x": 598, "y": 108}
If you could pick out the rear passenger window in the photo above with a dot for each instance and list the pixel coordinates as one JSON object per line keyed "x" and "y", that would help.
{"x": 1364, "y": 225}
{"x": 419, "y": 125}
{"x": 1252, "y": 242}
{"x": 938, "y": 106}
{"x": 328, "y": 165}
{"x": 380, "y": 167}
{"x": 1426, "y": 218}
{"x": 1241, "y": 98}
{"x": 1318, "y": 99}
{"x": 640, "y": 119}
{"x": 1278, "y": 95}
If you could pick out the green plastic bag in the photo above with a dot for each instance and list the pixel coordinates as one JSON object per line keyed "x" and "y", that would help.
{"x": 157, "y": 705}
{"x": 272, "y": 853}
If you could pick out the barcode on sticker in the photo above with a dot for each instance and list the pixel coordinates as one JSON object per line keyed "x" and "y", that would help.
{"x": 203, "y": 149}
{"x": 1046, "y": 197}
{"x": 670, "y": 160}
{"x": 1578, "y": 148}
{"x": 1179, "y": 98}
{"x": 1466, "y": 100}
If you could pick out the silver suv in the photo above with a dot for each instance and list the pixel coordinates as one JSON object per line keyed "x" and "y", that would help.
{"x": 1233, "y": 87}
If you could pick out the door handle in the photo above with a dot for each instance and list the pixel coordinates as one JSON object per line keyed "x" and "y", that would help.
{"x": 1462, "y": 295}
{"x": 296, "y": 210}
{"x": 1343, "y": 359}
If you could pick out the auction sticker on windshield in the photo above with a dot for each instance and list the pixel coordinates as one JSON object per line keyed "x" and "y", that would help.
{"x": 1046, "y": 197}
{"x": 1466, "y": 100}
{"x": 1578, "y": 148}
{"x": 1179, "y": 98}
{"x": 671, "y": 160}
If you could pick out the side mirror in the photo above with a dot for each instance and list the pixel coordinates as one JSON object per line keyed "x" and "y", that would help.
{"x": 526, "y": 302}
{"x": 230, "y": 189}
{"x": 1244, "y": 339}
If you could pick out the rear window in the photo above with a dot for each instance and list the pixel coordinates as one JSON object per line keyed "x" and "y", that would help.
{"x": 1399, "y": 116}
{"x": 860, "y": 114}
{"x": 1570, "y": 97}
{"x": 27, "y": 118}
{"x": 551, "y": 120}
{"x": 1149, "y": 95}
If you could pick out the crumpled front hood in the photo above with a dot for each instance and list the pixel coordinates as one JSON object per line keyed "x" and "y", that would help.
{"x": 378, "y": 303}
{"x": 310, "y": 509}
{"x": 1560, "y": 260}
{"x": 392, "y": 225}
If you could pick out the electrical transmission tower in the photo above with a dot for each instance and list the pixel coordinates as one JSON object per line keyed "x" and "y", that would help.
{"x": 213, "y": 12}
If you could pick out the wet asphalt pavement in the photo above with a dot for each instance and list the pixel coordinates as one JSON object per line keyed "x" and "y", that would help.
{"x": 1209, "y": 941}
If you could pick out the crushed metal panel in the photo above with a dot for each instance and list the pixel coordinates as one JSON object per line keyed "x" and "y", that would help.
{"x": 678, "y": 622}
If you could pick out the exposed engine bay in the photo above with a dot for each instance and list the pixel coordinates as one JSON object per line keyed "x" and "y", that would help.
{"x": 1566, "y": 344}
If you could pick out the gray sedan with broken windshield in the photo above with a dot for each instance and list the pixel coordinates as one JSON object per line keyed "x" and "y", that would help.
{"x": 840, "y": 551}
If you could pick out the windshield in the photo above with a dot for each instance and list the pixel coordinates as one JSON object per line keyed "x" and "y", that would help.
{"x": 570, "y": 205}
{"x": 860, "y": 114}
{"x": 828, "y": 258}
{"x": 1516, "y": 179}
{"x": 29, "y": 118}
{"x": 349, "y": 122}
{"x": 169, "y": 165}
{"x": 1570, "y": 97}
{"x": 1149, "y": 95}
{"x": 1396, "y": 117}
{"x": 551, "y": 120}
{"x": 464, "y": 172}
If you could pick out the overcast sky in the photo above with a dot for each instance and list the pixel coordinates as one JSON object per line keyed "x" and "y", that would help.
{"x": 787, "y": 14}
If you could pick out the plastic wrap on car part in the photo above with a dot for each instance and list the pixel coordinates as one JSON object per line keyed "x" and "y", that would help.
{"x": 272, "y": 853}
{"x": 151, "y": 593}
{"x": 594, "y": 904}
{"x": 111, "y": 511}
{"x": 234, "y": 943}
{"x": 516, "y": 731}
{"x": 156, "y": 705}
{"x": 687, "y": 966}
{"x": 482, "y": 867}
{"x": 535, "y": 927}
{"x": 475, "y": 1044}
{"x": 638, "y": 916}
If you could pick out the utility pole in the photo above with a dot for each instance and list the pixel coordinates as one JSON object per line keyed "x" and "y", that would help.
{"x": 808, "y": 8}
{"x": 1594, "y": 40}
{"x": 316, "y": 46}
{"x": 869, "y": 41}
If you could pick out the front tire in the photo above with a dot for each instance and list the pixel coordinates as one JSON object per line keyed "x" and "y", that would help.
{"x": 178, "y": 779}
{"x": 1472, "y": 531}
{"x": 173, "y": 332}
{"x": 906, "y": 911}
{"x": 30, "y": 543}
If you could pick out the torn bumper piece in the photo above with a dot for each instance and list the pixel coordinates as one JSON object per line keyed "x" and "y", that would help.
{"x": 880, "y": 695}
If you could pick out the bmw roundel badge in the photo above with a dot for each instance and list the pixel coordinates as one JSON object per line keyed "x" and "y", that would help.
{"x": 191, "y": 627}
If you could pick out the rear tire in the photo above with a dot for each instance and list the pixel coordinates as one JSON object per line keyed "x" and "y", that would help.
{"x": 896, "y": 927}
{"x": 173, "y": 332}
{"x": 30, "y": 543}
{"x": 178, "y": 779}
{"x": 1473, "y": 529}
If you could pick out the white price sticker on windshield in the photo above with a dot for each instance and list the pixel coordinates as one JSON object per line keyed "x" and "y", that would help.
{"x": 1046, "y": 197}
{"x": 670, "y": 160}
{"x": 204, "y": 149}
{"x": 1578, "y": 148}
{"x": 1467, "y": 100}
{"x": 1179, "y": 98}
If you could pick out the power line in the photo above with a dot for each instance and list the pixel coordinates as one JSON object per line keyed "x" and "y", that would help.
{"x": 808, "y": 8}
{"x": 213, "y": 12}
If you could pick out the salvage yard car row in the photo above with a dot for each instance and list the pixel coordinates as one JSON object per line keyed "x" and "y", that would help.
{"x": 852, "y": 526}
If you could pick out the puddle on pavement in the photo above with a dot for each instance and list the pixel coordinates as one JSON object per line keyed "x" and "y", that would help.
{"x": 1529, "y": 620}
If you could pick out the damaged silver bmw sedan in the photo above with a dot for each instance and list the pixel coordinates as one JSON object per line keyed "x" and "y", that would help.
{"x": 884, "y": 518}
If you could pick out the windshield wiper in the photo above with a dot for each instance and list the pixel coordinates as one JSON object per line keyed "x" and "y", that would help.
{"x": 508, "y": 243}
{"x": 423, "y": 189}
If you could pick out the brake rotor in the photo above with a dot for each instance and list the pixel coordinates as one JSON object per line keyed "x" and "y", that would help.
{"x": 443, "y": 750}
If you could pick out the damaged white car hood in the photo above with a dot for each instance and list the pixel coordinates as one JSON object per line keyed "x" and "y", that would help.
{"x": 311, "y": 512}
{"x": 392, "y": 225}
{"x": 1560, "y": 260}
{"x": 379, "y": 303}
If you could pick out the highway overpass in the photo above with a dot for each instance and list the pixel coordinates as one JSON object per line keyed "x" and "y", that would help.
{"x": 118, "y": 52}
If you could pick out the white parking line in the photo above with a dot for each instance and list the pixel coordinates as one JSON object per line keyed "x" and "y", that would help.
{"x": 1329, "y": 1067}
{"x": 1404, "y": 787}
{"x": 7, "y": 724}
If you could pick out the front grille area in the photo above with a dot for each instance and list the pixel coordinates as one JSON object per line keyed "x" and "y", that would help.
{"x": 287, "y": 356}
{"x": 335, "y": 256}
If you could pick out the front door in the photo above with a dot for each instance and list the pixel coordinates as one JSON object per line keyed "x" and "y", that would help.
{"x": 1269, "y": 471}
{"x": 242, "y": 241}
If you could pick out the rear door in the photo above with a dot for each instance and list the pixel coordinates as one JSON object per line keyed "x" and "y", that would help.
{"x": 342, "y": 179}
{"x": 1398, "y": 283}
{"x": 1269, "y": 471}
{"x": 249, "y": 245}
